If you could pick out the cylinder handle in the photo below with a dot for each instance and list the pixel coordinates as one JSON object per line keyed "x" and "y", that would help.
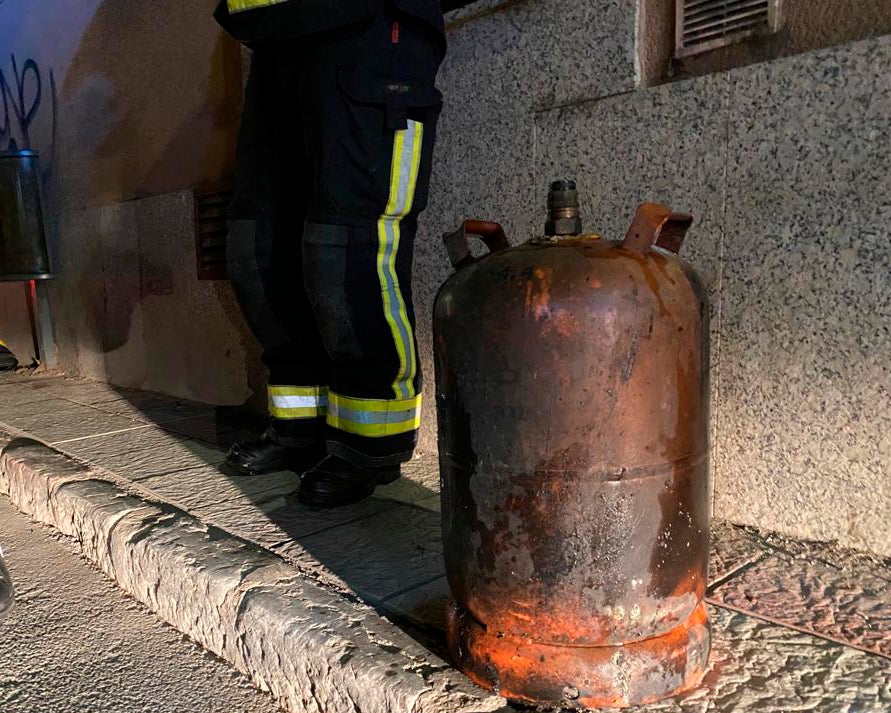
{"x": 655, "y": 224}
{"x": 458, "y": 242}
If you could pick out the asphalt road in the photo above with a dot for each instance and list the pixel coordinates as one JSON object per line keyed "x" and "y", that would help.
{"x": 75, "y": 642}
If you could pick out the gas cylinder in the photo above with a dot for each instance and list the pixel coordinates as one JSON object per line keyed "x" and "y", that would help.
{"x": 572, "y": 395}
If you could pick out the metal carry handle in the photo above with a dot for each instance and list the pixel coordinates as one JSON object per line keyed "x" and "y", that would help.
{"x": 458, "y": 242}
{"x": 655, "y": 224}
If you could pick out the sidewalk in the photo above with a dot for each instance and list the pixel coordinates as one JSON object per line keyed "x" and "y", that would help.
{"x": 796, "y": 626}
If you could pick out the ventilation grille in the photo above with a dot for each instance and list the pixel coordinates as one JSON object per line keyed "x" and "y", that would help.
{"x": 212, "y": 232}
{"x": 706, "y": 24}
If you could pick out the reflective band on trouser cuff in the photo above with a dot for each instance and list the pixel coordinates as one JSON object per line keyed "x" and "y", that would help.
{"x": 298, "y": 401}
{"x": 240, "y": 5}
{"x": 403, "y": 179}
{"x": 372, "y": 417}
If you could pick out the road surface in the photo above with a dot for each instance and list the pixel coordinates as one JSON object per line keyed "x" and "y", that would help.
{"x": 74, "y": 642}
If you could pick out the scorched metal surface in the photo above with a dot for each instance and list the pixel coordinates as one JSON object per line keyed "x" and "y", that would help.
{"x": 572, "y": 393}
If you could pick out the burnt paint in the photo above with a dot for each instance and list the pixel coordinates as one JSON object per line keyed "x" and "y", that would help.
{"x": 542, "y": 549}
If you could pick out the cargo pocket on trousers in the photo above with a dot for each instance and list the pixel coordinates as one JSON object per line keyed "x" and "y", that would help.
{"x": 380, "y": 106}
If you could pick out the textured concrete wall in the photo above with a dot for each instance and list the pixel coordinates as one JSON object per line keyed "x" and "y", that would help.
{"x": 781, "y": 163}
{"x": 130, "y": 310}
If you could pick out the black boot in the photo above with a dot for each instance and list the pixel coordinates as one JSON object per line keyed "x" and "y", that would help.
{"x": 8, "y": 362}
{"x": 266, "y": 455}
{"x": 335, "y": 482}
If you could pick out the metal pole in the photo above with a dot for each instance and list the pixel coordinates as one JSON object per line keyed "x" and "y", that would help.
{"x": 46, "y": 340}
{"x": 41, "y": 322}
{"x": 32, "y": 318}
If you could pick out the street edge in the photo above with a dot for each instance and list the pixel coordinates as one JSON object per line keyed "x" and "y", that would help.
{"x": 314, "y": 648}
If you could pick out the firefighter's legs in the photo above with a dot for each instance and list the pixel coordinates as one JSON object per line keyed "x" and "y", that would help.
{"x": 369, "y": 130}
{"x": 265, "y": 266}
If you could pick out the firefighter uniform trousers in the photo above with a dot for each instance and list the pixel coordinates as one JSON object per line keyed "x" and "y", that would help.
{"x": 332, "y": 170}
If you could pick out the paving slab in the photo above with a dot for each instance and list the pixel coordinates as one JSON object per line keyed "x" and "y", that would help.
{"x": 80, "y": 391}
{"x": 272, "y": 521}
{"x": 217, "y": 428}
{"x": 759, "y": 667}
{"x": 732, "y": 548}
{"x": 143, "y": 452}
{"x": 851, "y": 607}
{"x": 383, "y": 555}
{"x": 17, "y": 410}
{"x": 29, "y": 376}
{"x": 153, "y": 408}
{"x": 419, "y": 481}
{"x": 13, "y": 395}
{"x": 200, "y": 489}
{"x": 56, "y": 420}
{"x": 425, "y": 605}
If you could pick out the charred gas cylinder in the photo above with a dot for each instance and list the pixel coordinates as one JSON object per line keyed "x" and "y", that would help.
{"x": 572, "y": 393}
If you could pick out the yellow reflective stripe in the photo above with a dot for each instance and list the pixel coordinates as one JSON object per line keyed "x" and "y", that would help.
{"x": 312, "y": 391}
{"x": 3, "y": 344}
{"x": 285, "y": 414}
{"x": 291, "y": 402}
{"x": 374, "y": 418}
{"x": 412, "y": 365}
{"x": 373, "y": 430}
{"x": 241, "y": 5}
{"x": 404, "y": 169}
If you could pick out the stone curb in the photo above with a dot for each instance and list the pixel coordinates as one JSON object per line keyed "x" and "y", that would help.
{"x": 315, "y": 649}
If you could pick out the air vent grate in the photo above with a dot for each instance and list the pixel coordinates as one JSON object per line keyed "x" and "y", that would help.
{"x": 706, "y": 24}
{"x": 212, "y": 232}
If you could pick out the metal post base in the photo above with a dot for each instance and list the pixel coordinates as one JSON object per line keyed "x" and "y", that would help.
{"x": 581, "y": 677}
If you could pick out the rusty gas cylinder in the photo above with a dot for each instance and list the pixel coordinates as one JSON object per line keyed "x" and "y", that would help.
{"x": 572, "y": 394}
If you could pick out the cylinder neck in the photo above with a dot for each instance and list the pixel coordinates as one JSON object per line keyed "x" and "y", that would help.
{"x": 563, "y": 209}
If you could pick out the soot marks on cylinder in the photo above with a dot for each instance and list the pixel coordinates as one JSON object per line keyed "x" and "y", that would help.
{"x": 459, "y": 494}
{"x": 654, "y": 284}
{"x": 634, "y": 343}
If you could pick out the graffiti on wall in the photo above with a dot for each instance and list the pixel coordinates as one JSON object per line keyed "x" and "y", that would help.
{"x": 27, "y": 91}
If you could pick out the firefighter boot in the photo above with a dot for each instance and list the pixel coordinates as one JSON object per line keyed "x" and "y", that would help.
{"x": 8, "y": 362}
{"x": 335, "y": 482}
{"x": 268, "y": 455}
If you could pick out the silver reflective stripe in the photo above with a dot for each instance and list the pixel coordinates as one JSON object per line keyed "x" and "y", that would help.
{"x": 372, "y": 417}
{"x": 299, "y": 401}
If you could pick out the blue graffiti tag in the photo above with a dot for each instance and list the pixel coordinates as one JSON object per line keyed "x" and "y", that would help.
{"x": 21, "y": 94}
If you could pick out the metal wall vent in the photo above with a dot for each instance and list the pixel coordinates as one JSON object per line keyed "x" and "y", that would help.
{"x": 703, "y": 25}
{"x": 212, "y": 231}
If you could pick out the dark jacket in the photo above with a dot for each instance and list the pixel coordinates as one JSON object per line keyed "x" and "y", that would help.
{"x": 293, "y": 18}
